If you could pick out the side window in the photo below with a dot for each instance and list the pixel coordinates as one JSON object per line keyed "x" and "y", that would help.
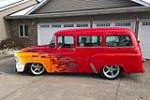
{"x": 89, "y": 41}
{"x": 113, "y": 41}
{"x": 65, "y": 41}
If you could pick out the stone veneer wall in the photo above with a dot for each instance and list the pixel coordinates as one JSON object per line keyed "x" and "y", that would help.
{"x": 31, "y": 40}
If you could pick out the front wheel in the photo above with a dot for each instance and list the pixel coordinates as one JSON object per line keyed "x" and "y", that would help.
{"x": 36, "y": 69}
{"x": 111, "y": 71}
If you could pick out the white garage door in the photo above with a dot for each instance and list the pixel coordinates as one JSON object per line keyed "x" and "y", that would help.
{"x": 144, "y": 37}
{"x": 47, "y": 30}
{"x": 122, "y": 24}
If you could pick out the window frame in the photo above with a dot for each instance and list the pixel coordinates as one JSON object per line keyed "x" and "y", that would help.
{"x": 24, "y": 34}
{"x": 119, "y": 46}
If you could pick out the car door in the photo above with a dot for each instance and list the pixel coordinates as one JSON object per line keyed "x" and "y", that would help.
{"x": 63, "y": 60}
{"x": 87, "y": 46}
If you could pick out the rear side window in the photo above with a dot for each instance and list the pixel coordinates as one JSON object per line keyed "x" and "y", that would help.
{"x": 114, "y": 41}
{"x": 65, "y": 41}
{"x": 89, "y": 41}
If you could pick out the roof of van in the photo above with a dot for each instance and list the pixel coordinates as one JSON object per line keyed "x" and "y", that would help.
{"x": 95, "y": 31}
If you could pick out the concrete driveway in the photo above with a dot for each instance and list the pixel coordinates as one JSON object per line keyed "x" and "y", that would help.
{"x": 71, "y": 86}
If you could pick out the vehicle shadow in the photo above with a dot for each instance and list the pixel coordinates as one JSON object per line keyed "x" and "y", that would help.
{"x": 70, "y": 75}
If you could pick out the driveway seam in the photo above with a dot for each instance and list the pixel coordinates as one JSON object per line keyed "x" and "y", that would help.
{"x": 118, "y": 89}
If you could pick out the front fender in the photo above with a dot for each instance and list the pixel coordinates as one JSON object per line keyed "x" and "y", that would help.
{"x": 29, "y": 57}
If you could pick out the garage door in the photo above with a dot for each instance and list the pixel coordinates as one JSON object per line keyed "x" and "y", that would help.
{"x": 47, "y": 30}
{"x": 144, "y": 37}
{"x": 122, "y": 24}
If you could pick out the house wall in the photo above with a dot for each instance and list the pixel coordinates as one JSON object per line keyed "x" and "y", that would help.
{"x": 5, "y": 25}
{"x": 32, "y": 31}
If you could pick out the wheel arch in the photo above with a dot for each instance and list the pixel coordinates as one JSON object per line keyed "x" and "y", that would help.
{"x": 27, "y": 65}
{"x": 121, "y": 66}
{"x": 100, "y": 60}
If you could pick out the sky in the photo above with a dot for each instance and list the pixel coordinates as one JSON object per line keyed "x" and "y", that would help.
{"x": 6, "y": 2}
{"x": 147, "y": 1}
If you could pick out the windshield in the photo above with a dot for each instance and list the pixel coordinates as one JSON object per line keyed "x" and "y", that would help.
{"x": 52, "y": 43}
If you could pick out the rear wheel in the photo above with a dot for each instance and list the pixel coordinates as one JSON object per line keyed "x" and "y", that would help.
{"x": 36, "y": 69}
{"x": 111, "y": 71}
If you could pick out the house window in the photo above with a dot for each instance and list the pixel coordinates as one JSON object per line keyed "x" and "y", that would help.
{"x": 123, "y": 24}
{"x": 23, "y": 30}
{"x": 44, "y": 26}
{"x": 146, "y": 23}
{"x": 82, "y": 25}
{"x": 56, "y": 26}
{"x": 103, "y": 25}
{"x": 69, "y": 25}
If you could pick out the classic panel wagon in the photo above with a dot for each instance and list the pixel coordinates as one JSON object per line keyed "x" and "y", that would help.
{"x": 105, "y": 51}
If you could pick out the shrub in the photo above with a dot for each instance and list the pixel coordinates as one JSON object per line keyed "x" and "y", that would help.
{"x": 9, "y": 44}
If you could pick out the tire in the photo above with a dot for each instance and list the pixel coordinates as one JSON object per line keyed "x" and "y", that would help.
{"x": 36, "y": 69}
{"x": 15, "y": 70}
{"x": 111, "y": 71}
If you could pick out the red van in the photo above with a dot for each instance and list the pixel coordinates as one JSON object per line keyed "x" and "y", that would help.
{"x": 105, "y": 51}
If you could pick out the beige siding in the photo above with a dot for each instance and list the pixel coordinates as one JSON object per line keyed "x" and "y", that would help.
{"x": 72, "y": 5}
{"x": 4, "y": 25}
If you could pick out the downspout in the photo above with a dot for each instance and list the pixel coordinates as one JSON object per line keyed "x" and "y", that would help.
{"x": 137, "y": 26}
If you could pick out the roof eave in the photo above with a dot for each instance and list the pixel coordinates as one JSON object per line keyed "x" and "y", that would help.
{"x": 41, "y": 4}
{"x": 82, "y": 13}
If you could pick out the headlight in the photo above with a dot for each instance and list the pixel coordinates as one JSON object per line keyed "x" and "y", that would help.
{"x": 16, "y": 53}
{"x": 16, "y": 59}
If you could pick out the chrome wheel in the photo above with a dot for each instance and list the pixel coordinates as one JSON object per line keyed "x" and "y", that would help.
{"x": 37, "y": 69}
{"x": 111, "y": 72}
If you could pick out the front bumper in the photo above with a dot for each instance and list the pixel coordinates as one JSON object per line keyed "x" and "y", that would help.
{"x": 20, "y": 68}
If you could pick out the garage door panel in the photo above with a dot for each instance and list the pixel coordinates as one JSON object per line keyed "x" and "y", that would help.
{"x": 47, "y": 30}
{"x": 120, "y": 24}
{"x": 144, "y": 37}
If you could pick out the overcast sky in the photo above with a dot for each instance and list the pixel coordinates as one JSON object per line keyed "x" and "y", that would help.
{"x": 6, "y": 2}
{"x": 147, "y": 1}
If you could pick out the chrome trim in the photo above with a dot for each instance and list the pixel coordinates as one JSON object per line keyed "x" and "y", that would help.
{"x": 93, "y": 68}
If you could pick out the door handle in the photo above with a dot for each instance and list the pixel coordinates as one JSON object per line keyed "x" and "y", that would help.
{"x": 72, "y": 49}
